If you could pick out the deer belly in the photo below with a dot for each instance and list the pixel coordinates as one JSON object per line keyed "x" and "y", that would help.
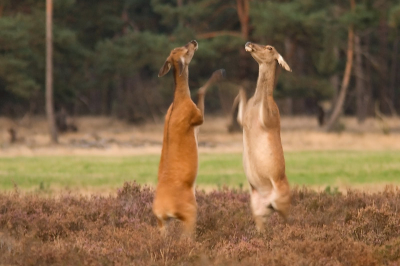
{"x": 180, "y": 161}
{"x": 261, "y": 162}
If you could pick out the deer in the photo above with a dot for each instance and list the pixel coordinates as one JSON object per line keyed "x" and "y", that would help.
{"x": 177, "y": 172}
{"x": 263, "y": 158}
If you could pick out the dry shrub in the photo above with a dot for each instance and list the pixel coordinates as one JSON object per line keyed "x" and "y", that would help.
{"x": 324, "y": 229}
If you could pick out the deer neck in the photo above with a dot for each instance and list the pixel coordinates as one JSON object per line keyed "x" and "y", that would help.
{"x": 181, "y": 84}
{"x": 265, "y": 84}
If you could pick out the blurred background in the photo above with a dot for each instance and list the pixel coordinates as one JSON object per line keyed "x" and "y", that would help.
{"x": 108, "y": 99}
{"x": 107, "y": 54}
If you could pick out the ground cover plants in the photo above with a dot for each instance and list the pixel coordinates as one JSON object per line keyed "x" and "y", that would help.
{"x": 325, "y": 228}
{"x": 311, "y": 168}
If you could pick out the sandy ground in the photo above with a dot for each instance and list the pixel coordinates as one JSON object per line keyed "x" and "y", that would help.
{"x": 103, "y": 136}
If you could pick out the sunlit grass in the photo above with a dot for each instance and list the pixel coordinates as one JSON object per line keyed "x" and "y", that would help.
{"x": 215, "y": 170}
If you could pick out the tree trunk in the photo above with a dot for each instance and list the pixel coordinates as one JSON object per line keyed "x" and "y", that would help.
{"x": 368, "y": 81}
{"x": 105, "y": 101}
{"x": 290, "y": 48}
{"x": 243, "y": 8}
{"x": 179, "y": 4}
{"x": 346, "y": 78}
{"x": 118, "y": 103}
{"x": 394, "y": 67}
{"x": 361, "y": 104}
{"x": 383, "y": 32}
{"x": 335, "y": 82}
{"x": 49, "y": 73}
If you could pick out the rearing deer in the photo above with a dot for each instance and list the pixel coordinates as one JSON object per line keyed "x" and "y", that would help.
{"x": 263, "y": 159}
{"x": 178, "y": 167}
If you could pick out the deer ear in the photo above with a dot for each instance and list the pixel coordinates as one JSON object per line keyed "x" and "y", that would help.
{"x": 165, "y": 68}
{"x": 181, "y": 65}
{"x": 283, "y": 63}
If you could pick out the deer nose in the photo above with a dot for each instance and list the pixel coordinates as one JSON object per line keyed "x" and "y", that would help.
{"x": 248, "y": 47}
{"x": 196, "y": 45}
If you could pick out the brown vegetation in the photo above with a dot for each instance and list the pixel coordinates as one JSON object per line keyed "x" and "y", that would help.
{"x": 324, "y": 229}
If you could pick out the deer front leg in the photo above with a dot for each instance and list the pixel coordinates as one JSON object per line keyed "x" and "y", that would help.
{"x": 242, "y": 105}
{"x": 216, "y": 76}
{"x": 197, "y": 117}
{"x": 198, "y": 114}
{"x": 200, "y": 102}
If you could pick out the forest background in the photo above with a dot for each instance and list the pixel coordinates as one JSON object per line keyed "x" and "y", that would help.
{"x": 107, "y": 54}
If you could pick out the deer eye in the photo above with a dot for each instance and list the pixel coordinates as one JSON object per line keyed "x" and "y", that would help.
{"x": 269, "y": 48}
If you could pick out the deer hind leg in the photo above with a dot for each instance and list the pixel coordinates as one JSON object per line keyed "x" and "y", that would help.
{"x": 189, "y": 225}
{"x": 282, "y": 207}
{"x": 259, "y": 209}
{"x": 162, "y": 226}
{"x": 188, "y": 216}
{"x": 282, "y": 203}
{"x": 163, "y": 216}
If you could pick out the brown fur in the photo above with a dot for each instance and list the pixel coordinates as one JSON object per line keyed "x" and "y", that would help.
{"x": 263, "y": 158}
{"x": 178, "y": 167}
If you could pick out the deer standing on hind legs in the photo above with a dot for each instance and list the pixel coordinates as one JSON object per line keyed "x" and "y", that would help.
{"x": 263, "y": 159}
{"x": 175, "y": 193}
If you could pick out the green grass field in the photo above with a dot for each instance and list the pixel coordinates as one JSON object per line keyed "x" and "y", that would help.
{"x": 311, "y": 168}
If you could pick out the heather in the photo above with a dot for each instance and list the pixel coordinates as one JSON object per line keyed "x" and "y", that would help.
{"x": 325, "y": 228}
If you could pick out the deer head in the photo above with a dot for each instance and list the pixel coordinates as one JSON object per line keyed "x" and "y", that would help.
{"x": 265, "y": 54}
{"x": 179, "y": 58}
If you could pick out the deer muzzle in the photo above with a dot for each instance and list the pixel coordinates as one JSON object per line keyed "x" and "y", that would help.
{"x": 196, "y": 45}
{"x": 248, "y": 47}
